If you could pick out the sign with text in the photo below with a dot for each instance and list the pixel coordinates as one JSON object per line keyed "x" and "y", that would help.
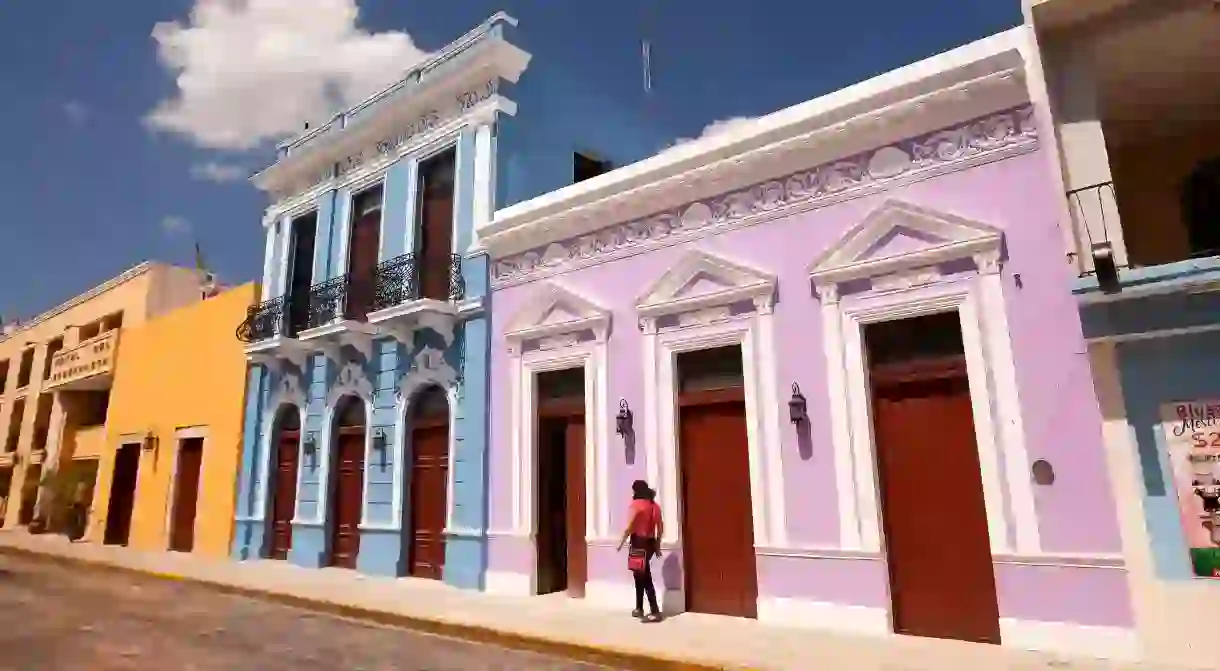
{"x": 1192, "y": 438}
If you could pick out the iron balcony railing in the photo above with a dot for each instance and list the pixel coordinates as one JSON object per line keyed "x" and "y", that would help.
{"x": 1094, "y": 211}
{"x": 403, "y": 279}
{"x": 281, "y": 316}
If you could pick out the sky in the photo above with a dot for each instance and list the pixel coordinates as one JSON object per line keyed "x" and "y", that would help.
{"x": 129, "y": 127}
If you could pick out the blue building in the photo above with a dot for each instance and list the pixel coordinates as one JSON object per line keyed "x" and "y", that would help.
{"x": 1140, "y": 162}
{"x": 366, "y": 426}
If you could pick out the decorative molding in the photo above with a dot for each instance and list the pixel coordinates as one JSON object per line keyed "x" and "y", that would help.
{"x": 701, "y": 287}
{"x": 351, "y": 380}
{"x": 429, "y": 366}
{"x": 989, "y": 138}
{"x": 861, "y": 252}
{"x": 554, "y": 316}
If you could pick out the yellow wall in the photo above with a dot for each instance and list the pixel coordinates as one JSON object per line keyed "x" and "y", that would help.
{"x": 186, "y": 369}
{"x": 143, "y": 292}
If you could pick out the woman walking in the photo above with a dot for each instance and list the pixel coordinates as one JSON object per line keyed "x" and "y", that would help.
{"x": 643, "y": 532}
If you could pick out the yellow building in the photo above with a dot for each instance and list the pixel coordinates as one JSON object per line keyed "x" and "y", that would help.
{"x": 167, "y": 476}
{"x": 56, "y": 372}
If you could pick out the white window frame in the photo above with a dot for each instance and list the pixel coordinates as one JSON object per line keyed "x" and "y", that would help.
{"x": 291, "y": 393}
{"x": 904, "y": 288}
{"x": 413, "y": 383}
{"x": 704, "y": 324}
{"x": 559, "y": 350}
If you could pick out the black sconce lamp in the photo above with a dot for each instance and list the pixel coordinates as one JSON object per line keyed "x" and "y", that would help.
{"x": 379, "y": 439}
{"x": 311, "y": 448}
{"x": 622, "y": 421}
{"x": 150, "y": 442}
{"x": 797, "y": 406}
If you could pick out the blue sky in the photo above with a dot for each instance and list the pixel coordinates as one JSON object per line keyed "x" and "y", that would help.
{"x": 94, "y": 182}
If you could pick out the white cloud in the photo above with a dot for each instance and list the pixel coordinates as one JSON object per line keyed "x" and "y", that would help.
{"x": 248, "y": 71}
{"x": 714, "y": 129}
{"x": 720, "y": 127}
{"x": 218, "y": 172}
{"x": 175, "y": 225}
{"x": 76, "y": 112}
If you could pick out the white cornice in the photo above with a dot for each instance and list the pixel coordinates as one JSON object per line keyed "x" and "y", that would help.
{"x": 485, "y": 112}
{"x": 491, "y": 61}
{"x": 964, "y": 83}
{"x": 124, "y": 277}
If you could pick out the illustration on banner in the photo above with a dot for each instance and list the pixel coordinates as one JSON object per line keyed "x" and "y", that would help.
{"x": 1192, "y": 437}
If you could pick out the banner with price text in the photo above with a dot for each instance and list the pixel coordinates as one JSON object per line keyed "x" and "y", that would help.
{"x": 1192, "y": 437}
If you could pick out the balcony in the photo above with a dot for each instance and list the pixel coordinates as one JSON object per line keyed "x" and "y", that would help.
{"x": 88, "y": 442}
{"x": 270, "y": 331}
{"x": 1157, "y": 225}
{"x": 408, "y": 296}
{"x": 89, "y": 365}
{"x": 338, "y": 309}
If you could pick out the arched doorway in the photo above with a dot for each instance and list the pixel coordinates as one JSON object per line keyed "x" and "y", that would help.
{"x": 429, "y": 483}
{"x": 286, "y": 446}
{"x": 347, "y": 483}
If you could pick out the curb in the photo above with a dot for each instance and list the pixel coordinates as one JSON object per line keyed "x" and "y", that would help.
{"x": 592, "y": 654}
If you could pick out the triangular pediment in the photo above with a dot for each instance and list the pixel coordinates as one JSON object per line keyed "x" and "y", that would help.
{"x": 702, "y": 279}
{"x": 898, "y": 235}
{"x": 555, "y": 309}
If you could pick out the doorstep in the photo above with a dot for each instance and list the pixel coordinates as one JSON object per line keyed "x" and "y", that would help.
{"x": 555, "y": 626}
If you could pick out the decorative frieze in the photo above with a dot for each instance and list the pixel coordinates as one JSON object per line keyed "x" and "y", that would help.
{"x": 830, "y": 183}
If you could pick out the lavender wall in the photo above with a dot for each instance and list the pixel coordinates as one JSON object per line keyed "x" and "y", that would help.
{"x": 1061, "y": 419}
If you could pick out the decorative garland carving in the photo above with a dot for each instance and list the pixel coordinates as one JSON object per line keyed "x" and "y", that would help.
{"x": 835, "y": 180}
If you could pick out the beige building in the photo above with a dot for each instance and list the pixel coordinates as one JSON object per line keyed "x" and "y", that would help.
{"x": 1133, "y": 89}
{"x": 56, "y": 371}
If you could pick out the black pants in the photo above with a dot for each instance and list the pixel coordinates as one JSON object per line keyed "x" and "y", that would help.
{"x": 643, "y": 579}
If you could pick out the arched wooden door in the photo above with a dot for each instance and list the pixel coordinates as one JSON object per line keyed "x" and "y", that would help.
{"x": 347, "y": 482}
{"x": 286, "y": 442}
{"x": 429, "y": 484}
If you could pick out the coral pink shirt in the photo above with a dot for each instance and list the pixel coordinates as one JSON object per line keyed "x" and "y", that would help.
{"x": 645, "y": 517}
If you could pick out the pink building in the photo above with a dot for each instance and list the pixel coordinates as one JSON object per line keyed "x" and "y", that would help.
{"x": 840, "y": 343}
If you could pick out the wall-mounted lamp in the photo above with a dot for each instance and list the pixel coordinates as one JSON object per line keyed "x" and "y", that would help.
{"x": 311, "y": 448}
{"x": 379, "y": 438}
{"x": 1043, "y": 473}
{"x": 797, "y": 406}
{"x": 622, "y": 421}
{"x": 150, "y": 441}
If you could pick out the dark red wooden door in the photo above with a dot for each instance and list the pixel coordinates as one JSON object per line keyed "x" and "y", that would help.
{"x": 435, "y": 246}
{"x": 939, "y": 557}
{"x": 429, "y": 496}
{"x": 122, "y": 495}
{"x": 574, "y": 504}
{"x": 362, "y": 263}
{"x": 284, "y": 493}
{"x": 186, "y": 495}
{"x": 347, "y": 505}
{"x": 717, "y": 520}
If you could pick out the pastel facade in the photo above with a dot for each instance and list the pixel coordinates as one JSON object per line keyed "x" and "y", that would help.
{"x": 56, "y": 374}
{"x": 727, "y": 320}
{"x": 173, "y": 433}
{"x": 1132, "y": 90}
{"x": 366, "y": 414}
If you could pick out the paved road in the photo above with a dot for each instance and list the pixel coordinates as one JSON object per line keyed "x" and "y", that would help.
{"x": 54, "y": 618}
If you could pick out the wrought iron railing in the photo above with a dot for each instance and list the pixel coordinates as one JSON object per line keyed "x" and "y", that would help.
{"x": 1094, "y": 211}
{"x": 264, "y": 321}
{"x": 326, "y": 301}
{"x": 404, "y": 278}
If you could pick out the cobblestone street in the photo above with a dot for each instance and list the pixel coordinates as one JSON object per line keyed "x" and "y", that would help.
{"x": 54, "y": 618}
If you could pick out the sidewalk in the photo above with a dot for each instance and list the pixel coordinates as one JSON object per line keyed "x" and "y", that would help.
{"x": 554, "y": 624}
